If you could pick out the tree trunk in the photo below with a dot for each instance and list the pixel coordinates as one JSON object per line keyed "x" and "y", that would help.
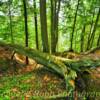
{"x": 43, "y": 19}
{"x": 10, "y": 19}
{"x": 74, "y": 25}
{"x": 98, "y": 40}
{"x": 36, "y": 25}
{"x": 89, "y": 35}
{"x": 26, "y": 27}
{"x": 82, "y": 39}
{"x": 94, "y": 30}
{"x": 55, "y": 8}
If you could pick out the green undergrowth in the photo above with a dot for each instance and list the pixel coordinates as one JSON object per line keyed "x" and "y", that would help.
{"x": 31, "y": 85}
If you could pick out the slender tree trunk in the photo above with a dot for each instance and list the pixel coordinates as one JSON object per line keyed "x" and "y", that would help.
{"x": 43, "y": 19}
{"x": 98, "y": 41}
{"x": 75, "y": 47}
{"x": 91, "y": 40}
{"x": 94, "y": 29}
{"x": 89, "y": 35}
{"x": 36, "y": 26}
{"x": 10, "y": 23}
{"x": 55, "y": 8}
{"x": 74, "y": 25}
{"x": 26, "y": 27}
{"x": 82, "y": 39}
{"x": 57, "y": 22}
{"x": 52, "y": 27}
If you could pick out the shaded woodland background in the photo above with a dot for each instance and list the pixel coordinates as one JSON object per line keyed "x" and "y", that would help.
{"x": 52, "y": 25}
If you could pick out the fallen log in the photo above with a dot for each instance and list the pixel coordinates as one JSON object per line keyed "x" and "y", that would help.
{"x": 43, "y": 58}
{"x": 67, "y": 68}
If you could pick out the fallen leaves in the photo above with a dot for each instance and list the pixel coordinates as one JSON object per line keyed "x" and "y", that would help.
{"x": 46, "y": 78}
{"x": 27, "y": 97}
{"x": 15, "y": 89}
{"x": 72, "y": 82}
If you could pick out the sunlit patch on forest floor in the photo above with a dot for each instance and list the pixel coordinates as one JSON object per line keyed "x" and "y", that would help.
{"x": 21, "y": 81}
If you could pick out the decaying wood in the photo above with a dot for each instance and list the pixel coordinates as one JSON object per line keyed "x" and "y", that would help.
{"x": 58, "y": 64}
{"x": 42, "y": 58}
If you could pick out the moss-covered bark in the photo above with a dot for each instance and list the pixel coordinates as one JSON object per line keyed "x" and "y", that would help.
{"x": 67, "y": 68}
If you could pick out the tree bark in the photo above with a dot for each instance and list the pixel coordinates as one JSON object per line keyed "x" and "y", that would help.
{"x": 82, "y": 38}
{"x": 55, "y": 8}
{"x": 98, "y": 40}
{"x": 26, "y": 27}
{"x": 74, "y": 25}
{"x": 10, "y": 24}
{"x": 91, "y": 27}
{"x": 36, "y": 25}
{"x": 43, "y": 20}
{"x": 94, "y": 30}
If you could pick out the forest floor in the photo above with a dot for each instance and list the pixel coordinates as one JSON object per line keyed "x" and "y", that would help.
{"x": 21, "y": 82}
{"x": 18, "y": 80}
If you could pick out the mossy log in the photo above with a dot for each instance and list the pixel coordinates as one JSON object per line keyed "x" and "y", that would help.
{"x": 63, "y": 66}
{"x": 45, "y": 59}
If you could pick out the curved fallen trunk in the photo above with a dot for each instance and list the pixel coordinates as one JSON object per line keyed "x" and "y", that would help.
{"x": 45, "y": 59}
{"x": 67, "y": 68}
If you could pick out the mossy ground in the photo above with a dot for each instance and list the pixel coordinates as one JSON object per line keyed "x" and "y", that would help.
{"x": 38, "y": 83}
{"x": 25, "y": 82}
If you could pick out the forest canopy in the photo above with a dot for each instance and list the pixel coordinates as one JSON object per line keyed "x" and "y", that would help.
{"x": 57, "y": 25}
